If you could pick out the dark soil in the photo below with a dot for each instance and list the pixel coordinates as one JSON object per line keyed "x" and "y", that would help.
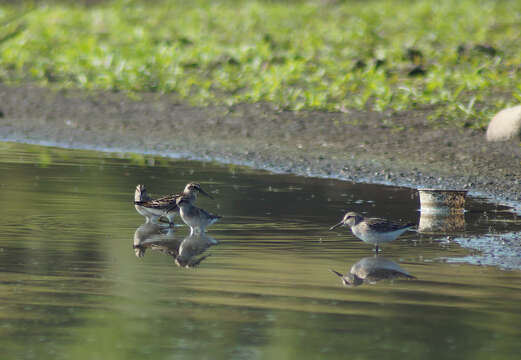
{"x": 399, "y": 149}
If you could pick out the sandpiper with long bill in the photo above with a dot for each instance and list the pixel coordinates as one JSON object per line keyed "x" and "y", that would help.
{"x": 196, "y": 218}
{"x": 154, "y": 209}
{"x": 374, "y": 231}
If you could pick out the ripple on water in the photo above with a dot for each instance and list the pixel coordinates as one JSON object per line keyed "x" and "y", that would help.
{"x": 72, "y": 281}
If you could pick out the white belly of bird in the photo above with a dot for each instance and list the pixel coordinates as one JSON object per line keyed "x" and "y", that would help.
{"x": 195, "y": 223}
{"x": 148, "y": 211}
{"x": 375, "y": 238}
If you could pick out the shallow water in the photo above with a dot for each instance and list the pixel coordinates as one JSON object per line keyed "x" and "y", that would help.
{"x": 80, "y": 277}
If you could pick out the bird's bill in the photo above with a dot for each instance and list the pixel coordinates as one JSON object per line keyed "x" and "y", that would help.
{"x": 336, "y": 273}
{"x": 336, "y": 225}
{"x": 205, "y": 193}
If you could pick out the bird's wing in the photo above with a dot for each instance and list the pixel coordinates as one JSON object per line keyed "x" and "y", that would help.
{"x": 210, "y": 216}
{"x": 164, "y": 202}
{"x": 381, "y": 274}
{"x": 384, "y": 225}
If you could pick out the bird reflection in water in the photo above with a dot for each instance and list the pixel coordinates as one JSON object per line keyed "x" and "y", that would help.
{"x": 155, "y": 237}
{"x": 192, "y": 246}
{"x": 371, "y": 269}
{"x": 185, "y": 252}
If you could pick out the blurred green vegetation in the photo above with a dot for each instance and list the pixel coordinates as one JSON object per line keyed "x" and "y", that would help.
{"x": 460, "y": 60}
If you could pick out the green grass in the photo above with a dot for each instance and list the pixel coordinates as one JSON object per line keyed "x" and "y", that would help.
{"x": 322, "y": 55}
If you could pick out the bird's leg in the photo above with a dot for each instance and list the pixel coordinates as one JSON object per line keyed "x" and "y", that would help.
{"x": 170, "y": 220}
{"x": 155, "y": 220}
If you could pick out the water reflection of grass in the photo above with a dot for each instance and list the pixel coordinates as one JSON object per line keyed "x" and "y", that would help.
{"x": 45, "y": 156}
{"x": 459, "y": 58}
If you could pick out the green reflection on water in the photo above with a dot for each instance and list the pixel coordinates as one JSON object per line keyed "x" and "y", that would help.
{"x": 71, "y": 285}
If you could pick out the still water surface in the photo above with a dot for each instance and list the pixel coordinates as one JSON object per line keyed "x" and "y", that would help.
{"x": 82, "y": 277}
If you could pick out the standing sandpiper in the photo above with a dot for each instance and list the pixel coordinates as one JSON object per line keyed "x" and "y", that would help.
{"x": 198, "y": 219}
{"x": 372, "y": 230}
{"x": 166, "y": 205}
{"x": 140, "y": 197}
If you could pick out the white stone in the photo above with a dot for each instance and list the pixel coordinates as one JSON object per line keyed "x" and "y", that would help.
{"x": 505, "y": 125}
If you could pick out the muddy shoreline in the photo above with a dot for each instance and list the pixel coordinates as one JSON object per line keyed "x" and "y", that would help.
{"x": 403, "y": 149}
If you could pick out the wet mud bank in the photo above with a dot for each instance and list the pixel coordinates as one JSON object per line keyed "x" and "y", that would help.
{"x": 403, "y": 149}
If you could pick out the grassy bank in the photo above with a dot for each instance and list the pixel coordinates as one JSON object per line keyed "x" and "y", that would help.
{"x": 461, "y": 59}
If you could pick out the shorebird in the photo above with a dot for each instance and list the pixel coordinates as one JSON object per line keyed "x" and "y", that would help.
{"x": 141, "y": 197}
{"x": 372, "y": 230}
{"x": 372, "y": 269}
{"x": 198, "y": 219}
{"x": 153, "y": 209}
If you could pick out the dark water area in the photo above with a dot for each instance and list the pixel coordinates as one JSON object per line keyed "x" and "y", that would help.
{"x": 82, "y": 276}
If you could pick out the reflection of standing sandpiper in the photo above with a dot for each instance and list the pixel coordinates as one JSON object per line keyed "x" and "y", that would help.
{"x": 154, "y": 209}
{"x": 372, "y": 230}
{"x": 155, "y": 237}
{"x": 198, "y": 219}
{"x": 372, "y": 269}
{"x": 192, "y": 246}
